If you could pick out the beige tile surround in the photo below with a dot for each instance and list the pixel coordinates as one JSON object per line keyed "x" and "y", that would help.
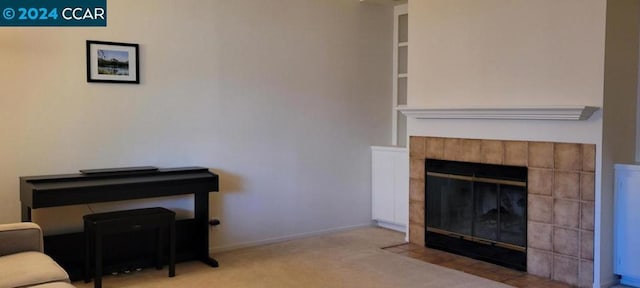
{"x": 561, "y": 187}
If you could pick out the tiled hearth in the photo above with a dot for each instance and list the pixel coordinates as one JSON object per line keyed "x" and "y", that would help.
{"x": 474, "y": 267}
{"x": 560, "y": 198}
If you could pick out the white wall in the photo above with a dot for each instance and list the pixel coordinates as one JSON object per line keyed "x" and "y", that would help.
{"x": 619, "y": 116}
{"x": 506, "y": 52}
{"x": 282, "y": 98}
{"x": 513, "y": 53}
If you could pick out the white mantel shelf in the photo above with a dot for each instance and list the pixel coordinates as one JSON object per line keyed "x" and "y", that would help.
{"x": 502, "y": 113}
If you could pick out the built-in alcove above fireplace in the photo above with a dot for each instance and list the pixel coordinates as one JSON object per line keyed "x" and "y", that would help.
{"x": 560, "y": 198}
{"x": 477, "y": 210}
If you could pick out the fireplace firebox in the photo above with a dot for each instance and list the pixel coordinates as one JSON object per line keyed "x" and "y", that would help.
{"x": 477, "y": 210}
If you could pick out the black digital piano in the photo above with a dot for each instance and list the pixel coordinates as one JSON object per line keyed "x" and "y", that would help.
{"x": 116, "y": 184}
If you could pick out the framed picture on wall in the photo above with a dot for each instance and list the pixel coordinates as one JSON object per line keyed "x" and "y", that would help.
{"x": 112, "y": 62}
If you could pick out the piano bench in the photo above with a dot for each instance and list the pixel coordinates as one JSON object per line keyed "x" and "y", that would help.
{"x": 101, "y": 224}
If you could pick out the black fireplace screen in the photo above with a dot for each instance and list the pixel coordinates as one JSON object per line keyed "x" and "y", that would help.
{"x": 481, "y": 203}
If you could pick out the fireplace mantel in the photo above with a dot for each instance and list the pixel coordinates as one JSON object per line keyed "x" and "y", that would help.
{"x": 502, "y": 113}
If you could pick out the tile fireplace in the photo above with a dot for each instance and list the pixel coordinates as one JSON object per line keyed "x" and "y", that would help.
{"x": 560, "y": 198}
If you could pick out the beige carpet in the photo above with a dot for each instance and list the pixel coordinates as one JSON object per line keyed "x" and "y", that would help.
{"x": 345, "y": 259}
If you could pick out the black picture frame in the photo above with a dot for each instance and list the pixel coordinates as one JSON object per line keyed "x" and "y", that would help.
{"x": 113, "y": 62}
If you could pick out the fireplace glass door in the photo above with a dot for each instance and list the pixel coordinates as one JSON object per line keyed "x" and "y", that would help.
{"x": 450, "y": 206}
{"x": 479, "y": 203}
{"x": 499, "y": 213}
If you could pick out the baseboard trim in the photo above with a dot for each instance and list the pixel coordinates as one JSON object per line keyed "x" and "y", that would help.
{"x": 391, "y": 226}
{"x": 611, "y": 282}
{"x": 218, "y": 249}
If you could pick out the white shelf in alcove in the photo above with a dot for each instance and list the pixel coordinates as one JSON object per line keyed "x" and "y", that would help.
{"x": 403, "y": 44}
{"x": 403, "y": 75}
{"x": 577, "y": 112}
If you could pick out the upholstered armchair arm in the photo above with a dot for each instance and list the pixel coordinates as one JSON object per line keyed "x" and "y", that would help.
{"x": 20, "y": 237}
